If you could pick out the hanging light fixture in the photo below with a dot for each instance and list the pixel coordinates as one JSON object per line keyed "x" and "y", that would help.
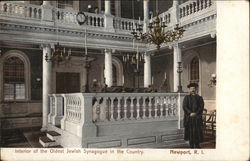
{"x": 156, "y": 33}
{"x": 58, "y": 53}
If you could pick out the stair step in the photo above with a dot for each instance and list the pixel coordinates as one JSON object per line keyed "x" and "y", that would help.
{"x": 53, "y": 133}
{"x": 47, "y": 142}
{"x": 45, "y": 139}
{"x": 57, "y": 146}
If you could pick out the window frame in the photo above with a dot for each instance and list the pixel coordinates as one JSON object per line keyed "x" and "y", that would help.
{"x": 24, "y": 58}
{"x": 197, "y": 71}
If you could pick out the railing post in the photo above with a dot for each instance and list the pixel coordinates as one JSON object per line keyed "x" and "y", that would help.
{"x": 58, "y": 114}
{"x": 65, "y": 112}
{"x": 180, "y": 110}
{"x": 87, "y": 127}
{"x": 47, "y": 12}
{"x": 108, "y": 22}
{"x": 51, "y": 106}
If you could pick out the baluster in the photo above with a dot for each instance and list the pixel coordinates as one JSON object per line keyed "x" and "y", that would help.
{"x": 184, "y": 12}
{"x": 150, "y": 105}
{"x": 118, "y": 108}
{"x": 132, "y": 108}
{"x": 205, "y": 3}
{"x": 98, "y": 22}
{"x": 209, "y": 3}
{"x": 181, "y": 11}
{"x": 175, "y": 107}
{"x": 65, "y": 17}
{"x": 191, "y": 9}
{"x": 106, "y": 108}
{"x": 137, "y": 107}
{"x": 7, "y": 8}
{"x": 111, "y": 109}
{"x": 161, "y": 106}
{"x": 30, "y": 12}
{"x": 95, "y": 24}
{"x": 169, "y": 18}
{"x": 91, "y": 21}
{"x": 187, "y": 10}
{"x": 98, "y": 109}
{"x": 125, "y": 108}
{"x": 198, "y": 5}
{"x": 102, "y": 22}
{"x": 167, "y": 106}
{"x": 143, "y": 107}
{"x": 195, "y": 6}
{"x": 36, "y": 13}
{"x": 202, "y": 4}
{"x": 155, "y": 107}
{"x": 39, "y": 13}
{"x": 172, "y": 106}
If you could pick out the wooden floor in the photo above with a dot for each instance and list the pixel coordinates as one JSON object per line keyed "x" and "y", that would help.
{"x": 29, "y": 138}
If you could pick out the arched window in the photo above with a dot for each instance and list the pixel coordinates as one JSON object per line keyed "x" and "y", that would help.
{"x": 13, "y": 79}
{"x": 194, "y": 70}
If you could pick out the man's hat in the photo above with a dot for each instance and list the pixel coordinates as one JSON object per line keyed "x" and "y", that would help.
{"x": 192, "y": 85}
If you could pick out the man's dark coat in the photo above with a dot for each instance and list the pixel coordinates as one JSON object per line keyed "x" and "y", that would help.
{"x": 193, "y": 125}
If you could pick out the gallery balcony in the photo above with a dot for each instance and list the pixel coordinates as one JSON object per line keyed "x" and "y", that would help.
{"x": 47, "y": 24}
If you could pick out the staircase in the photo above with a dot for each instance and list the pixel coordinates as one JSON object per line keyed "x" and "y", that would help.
{"x": 52, "y": 140}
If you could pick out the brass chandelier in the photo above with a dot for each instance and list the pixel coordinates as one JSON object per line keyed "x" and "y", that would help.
{"x": 156, "y": 33}
{"x": 58, "y": 54}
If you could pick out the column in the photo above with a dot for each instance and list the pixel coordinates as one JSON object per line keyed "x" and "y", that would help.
{"x": 145, "y": 14}
{"x": 175, "y": 12}
{"x": 47, "y": 69}
{"x": 46, "y": 3}
{"x": 147, "y": 70}
{"x": 108, "y": 73}
{"x": 107, "y": 7}
{"x": 177, "y": 58}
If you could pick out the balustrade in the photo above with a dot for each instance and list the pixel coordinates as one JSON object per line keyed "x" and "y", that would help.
{"x": 124, "y": 24}
{"x": 21, "y": 10}
{"x": 132, "y": 107}
{"x": 191, "y": 7}
{"x": 73, "y": 105}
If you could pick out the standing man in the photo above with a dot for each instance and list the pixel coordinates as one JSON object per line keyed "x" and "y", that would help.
{"x": 193, "y": 106}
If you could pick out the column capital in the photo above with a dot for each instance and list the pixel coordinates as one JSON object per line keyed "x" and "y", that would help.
{"x": 108, "y": 50}
{"x": 46, "y": 45}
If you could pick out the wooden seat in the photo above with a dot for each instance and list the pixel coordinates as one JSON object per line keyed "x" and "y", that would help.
{"x": 209, "y": 122}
